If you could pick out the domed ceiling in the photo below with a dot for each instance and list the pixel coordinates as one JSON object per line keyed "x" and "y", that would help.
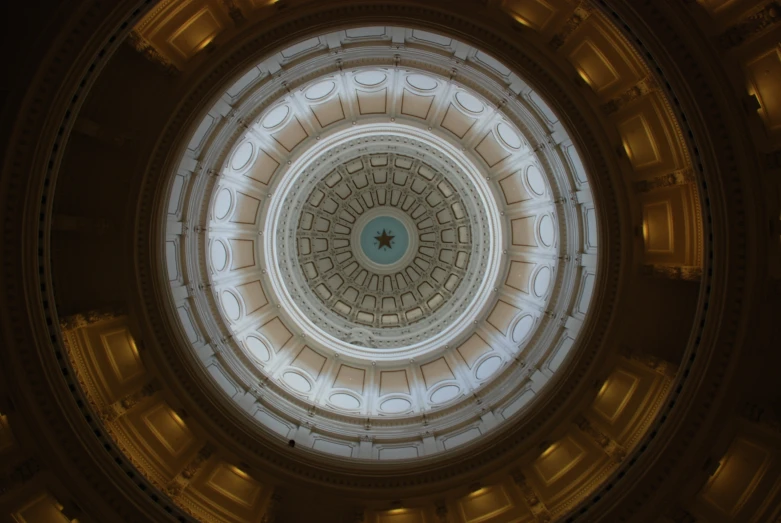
{"x": 397, "y": 258}
{"x": 258, "y": 271}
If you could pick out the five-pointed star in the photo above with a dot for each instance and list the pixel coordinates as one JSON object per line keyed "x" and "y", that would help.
{"x": 384, "y": 239}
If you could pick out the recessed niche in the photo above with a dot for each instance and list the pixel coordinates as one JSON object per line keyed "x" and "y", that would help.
{"x": 257, "y": 349}
{"x": 231, "y": 305}
{"x": 535, "y": 180}
{"x": 370, "y": 78}
{"x": 422, "y": 82}
{"x": 487, "y": 368}
{"x": 547, "y": 232}
{"x": 222, "y": 205}
{"x": 508, "y": 136}
{"x": 276, "y": 116}
{"x": 522, "y": 328}
{"x": 344, "y": 401}
{"x": 219, "y": 255}
{"x": 242, "y": 156}
{"x": 297, "y": 382}
{"x": 541, "y": 281}
{"x": 469, "y": 102}
{"x": 395, "y": 405}
{"x": 446, "y": 393}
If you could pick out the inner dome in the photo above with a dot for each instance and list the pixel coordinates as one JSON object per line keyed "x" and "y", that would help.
{"x": 394, "y": 260}
{"x": 346, "y": 301}
{"x": 376, "y": 232}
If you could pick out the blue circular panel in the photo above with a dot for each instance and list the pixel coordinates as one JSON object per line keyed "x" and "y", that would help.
{"x": 384, "y": 240}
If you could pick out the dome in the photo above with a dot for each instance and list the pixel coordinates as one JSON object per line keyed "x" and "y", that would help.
{"x": 390, "y": 262}
{"x": 386, "y": 247}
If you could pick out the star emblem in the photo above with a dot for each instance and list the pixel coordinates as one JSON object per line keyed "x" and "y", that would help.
{"x": 384, "y": 240}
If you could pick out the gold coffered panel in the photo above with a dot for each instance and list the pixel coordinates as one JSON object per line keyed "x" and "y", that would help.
{"x": 224, "y": 492}
{"x": 764, "y": 74}
{"x": 740, "y": 478}
{"x": 536, "y": 14}
{"x": 601, "y": 58}
{"x": 178, "y": 30}
{"x": 493, "y": 503}
{"x": 43, "y": 508}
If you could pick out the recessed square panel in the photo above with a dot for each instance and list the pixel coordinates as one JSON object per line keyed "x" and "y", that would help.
{"x": 195, "y": 33}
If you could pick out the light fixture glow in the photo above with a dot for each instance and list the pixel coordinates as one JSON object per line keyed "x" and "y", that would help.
{"x": 177, "y": 418}
{"x": 236, "y": 470}
{"x": 627, "y": 149}
{"x": 521, "y": 20}
{"x": 478, "y": 492}
{"x": 585, "y": 77}
{"x": 602, "y": 389}
{"x": 133, "y": 346}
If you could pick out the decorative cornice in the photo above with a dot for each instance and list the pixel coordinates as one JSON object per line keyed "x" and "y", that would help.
{"x": 442, "y": 513}
{"x": 150, "y": 52}
{"x": 765, "y": 415}
{"x": 531, "y": 497}
{"x": 582, "y": 11}
{"x": 19, "y": 475}
{"x": 673, "y": 272}
{"x": 679, "y": 177}
{"x": 183, "y": 479}
{"x": 751, "y": 26}
{"x": 650, "y": 361}
{"x": 120, "y": 407}
{"x": 273, "y": 506}
{"x": 84, "y": 319}
{"x": 642, "y": 88}
{"x": 234, "y": 11}
{"x": 616, "y": 452}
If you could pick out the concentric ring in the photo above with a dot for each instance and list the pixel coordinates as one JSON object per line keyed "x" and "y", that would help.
{"x": 474, "y": 259}
{"x": 492, "y": 303}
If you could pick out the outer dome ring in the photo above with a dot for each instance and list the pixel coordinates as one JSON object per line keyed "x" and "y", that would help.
{"x": 508, "y": 384}
{"x": 498, "y": 368}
